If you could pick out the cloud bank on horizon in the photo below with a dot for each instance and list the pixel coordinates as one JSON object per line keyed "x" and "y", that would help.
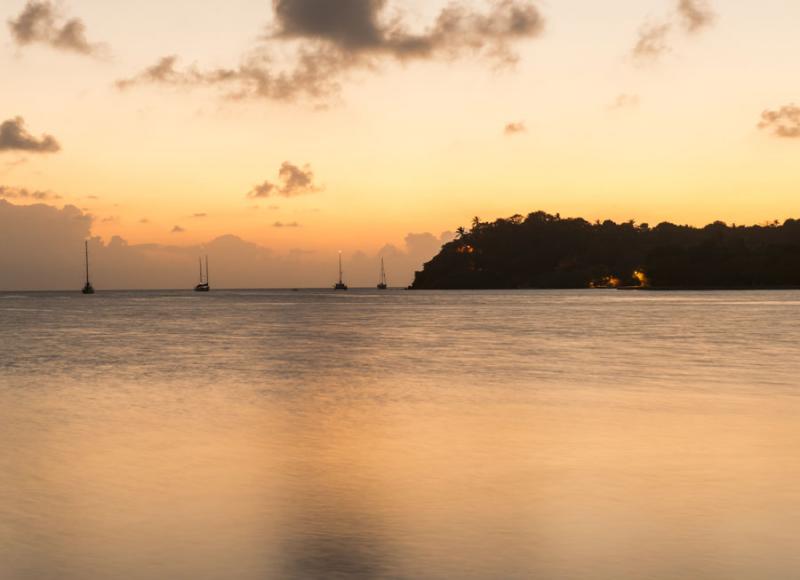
{"x": 41, "y": 249}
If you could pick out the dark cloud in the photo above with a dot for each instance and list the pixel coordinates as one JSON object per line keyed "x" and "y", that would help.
{"x": 26, "y": 194}
{"x": 14, "y": 137}
{"x": 283, "y": 225}
{"x": 40, "y": 22}
{"x": 292, "y": 181}
{"x": 178, "y": 230}
{"x": 783, "y": 122}
{"x": 695, "y": 14}
{"x": 515, "y": 128}
{"x": 352, "y": 24}
{"x": 361, "y": 27}
{"x": 331, "y": 38}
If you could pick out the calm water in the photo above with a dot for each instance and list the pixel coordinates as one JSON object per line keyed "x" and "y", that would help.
{"x": 257, "y": 435}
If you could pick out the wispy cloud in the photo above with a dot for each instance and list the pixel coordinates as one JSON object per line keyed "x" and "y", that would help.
{"x": 178, "y": 230}
{"x": 695, "y": 14}
{"x": 26, "y": 194}
{"x": 40, "y": 22}
{"x": 292, "y": 181}
{"x": 653, "y": 41}
{"x": 656, "y": 38}
{"x": 625, "y": 101}
{"x": 515, "y": 128}
{"x": 286, "y": 225}
{"x": 783, "y": 122}
{"x": 15, "y": 137}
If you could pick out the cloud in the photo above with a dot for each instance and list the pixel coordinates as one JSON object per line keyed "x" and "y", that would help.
{"x": 40, "y": 22}
{"x": 14, "y": 137}
{"x": 41, "y": 248}
{"x": 283, "y": 225}
{"x": 144, "y": 221}
{"x": 292, "y": 181}
{"x": 625, "y": 101}
{"x": 178, "y": 230}
{"x": 26, "y": 194}
{"x": 200, "y": 215}
{"x": 327, "y": 39}
{"x": 695, "y": 14}
{"x": 783, "y": 122}
{"x": 360, "y": 27}
{"x": 515, "y": 128}
{"x": 653, "y": 41}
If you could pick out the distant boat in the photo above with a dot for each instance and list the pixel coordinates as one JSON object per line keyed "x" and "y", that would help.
{"x": 203, "y": 285}
{"x": 88, "y": 288}
{"x": 382, "y": 285}
{"x": 340, "y": 285}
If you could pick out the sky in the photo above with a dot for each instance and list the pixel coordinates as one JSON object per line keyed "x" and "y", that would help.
{"x": 298, "y": 128}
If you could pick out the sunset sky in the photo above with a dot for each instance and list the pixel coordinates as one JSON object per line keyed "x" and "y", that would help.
{"x": 311, "y": 126}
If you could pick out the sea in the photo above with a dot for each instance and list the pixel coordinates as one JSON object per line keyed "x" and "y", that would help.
{"x": 243, "y": 435}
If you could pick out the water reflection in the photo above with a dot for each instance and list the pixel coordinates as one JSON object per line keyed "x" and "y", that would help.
{"x": 411, "y": 436}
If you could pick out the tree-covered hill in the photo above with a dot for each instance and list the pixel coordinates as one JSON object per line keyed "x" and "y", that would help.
{"x": 548, "y": 251}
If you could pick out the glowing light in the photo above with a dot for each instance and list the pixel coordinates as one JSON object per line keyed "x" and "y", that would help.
{"x": 642, "y": 278}
{"x": 607, "y": 282}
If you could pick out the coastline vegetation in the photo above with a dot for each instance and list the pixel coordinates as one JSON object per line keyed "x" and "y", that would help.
{"x": 548, "y": 251}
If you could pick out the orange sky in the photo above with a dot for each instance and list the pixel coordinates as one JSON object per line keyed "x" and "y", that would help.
{"x": 401, "y": 141}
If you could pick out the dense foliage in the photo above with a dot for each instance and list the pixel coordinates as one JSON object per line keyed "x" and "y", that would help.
{"x": 547, "y": 251}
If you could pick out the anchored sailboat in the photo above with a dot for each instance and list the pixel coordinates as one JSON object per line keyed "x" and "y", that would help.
{"x": 88, "y": 288}
{"x": 203, "y": 285}
{"x": 340, "y": 285}
{"x": 382, "y": 285}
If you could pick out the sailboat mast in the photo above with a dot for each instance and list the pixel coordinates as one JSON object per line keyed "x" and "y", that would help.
{"x": 340, "y": 268}
{"x": 383, "y": 273}
{"x": 86, "y": 248}
{"x": 200, "y": 261}
{"x": 206, "y": 269}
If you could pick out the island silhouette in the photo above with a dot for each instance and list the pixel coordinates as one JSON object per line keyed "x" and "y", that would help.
{"x": 548, "y": 251}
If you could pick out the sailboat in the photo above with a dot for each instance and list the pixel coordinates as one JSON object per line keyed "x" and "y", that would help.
{"x": 88, "y": 288}
{"x": 340, "y": 285}
{"x": 382, "y": 285}
{"x": 203, "y": 285}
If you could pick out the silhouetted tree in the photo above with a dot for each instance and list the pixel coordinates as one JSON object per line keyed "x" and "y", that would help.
{"x": 548, "y": 251}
